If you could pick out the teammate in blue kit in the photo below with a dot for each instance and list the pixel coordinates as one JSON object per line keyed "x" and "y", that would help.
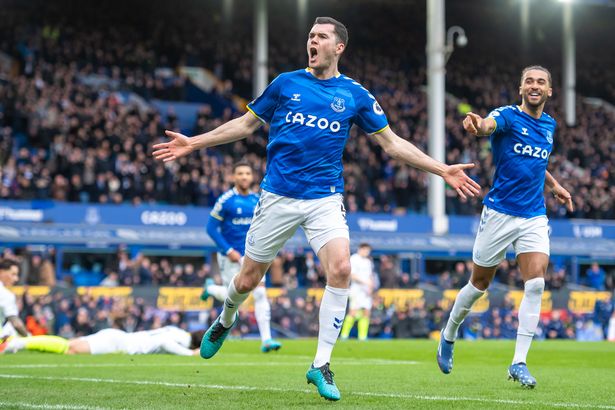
{"x": 310, "y": 112}
{"x": 514, "y": 213}
{"x": 228, "y": 226}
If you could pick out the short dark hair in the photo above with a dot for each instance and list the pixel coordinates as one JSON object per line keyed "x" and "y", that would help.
{"x": 241, "y": 164}
{"x": 340, "y": 30}
{"x": 365, "y": 245}
{"x": 6, "y": 264}
{"x": 536, "y": 67}
{"x": 196, "y": 338}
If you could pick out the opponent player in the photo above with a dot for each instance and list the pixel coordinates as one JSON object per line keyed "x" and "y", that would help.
{"x": 228, "y": 226}
{"x": 9, "y": 314}
{"x": 514, "y": 213}
{"x": 310, "y": 112}
{"x": 362, "y": 286}
{"x": 168, "y": 339}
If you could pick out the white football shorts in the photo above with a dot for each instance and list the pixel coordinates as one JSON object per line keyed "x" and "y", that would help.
{"x": 497, "y": 231}
{"x": 228, "y": 269}
{"x": 360, "y": 300}
{"x": 276, "y": 219}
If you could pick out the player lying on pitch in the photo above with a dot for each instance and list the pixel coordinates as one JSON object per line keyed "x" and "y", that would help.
{"x": 168, "y": 339}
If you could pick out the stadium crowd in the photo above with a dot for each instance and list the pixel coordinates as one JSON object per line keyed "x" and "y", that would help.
{"x": 77, "y": 315}
{"x": 67, "y": 135}
{"x": 289, "y": 270}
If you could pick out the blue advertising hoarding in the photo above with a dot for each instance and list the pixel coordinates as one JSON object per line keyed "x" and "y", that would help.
{"x": 49, "y": 222}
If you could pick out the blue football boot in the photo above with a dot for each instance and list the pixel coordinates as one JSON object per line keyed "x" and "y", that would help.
{"x": 205, "y": 294}
{"x": 518, "y": 372}
{"x": 322, "y": 378}
{"x": 214, "y": 337}
{"x": 270, "y": 345}
{"x": 445, "y": 354}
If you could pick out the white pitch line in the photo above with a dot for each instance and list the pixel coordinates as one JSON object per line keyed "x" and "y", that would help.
{"x": 49, "y": 406}
{"x": 200, "y": 364}
{"x": 274, "y": 389}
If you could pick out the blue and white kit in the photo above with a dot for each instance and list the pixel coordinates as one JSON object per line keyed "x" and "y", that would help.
{"x": 515, "y": 211}
{"x": 309, "y": 120}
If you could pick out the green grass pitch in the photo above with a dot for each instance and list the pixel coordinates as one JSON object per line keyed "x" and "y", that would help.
{"x": 373, "y": 374}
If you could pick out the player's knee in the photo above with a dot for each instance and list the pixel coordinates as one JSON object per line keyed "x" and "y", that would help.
{"x": 535, "y": 287}
{"x": 246, "y": 282}
{"x": 340, "y": 269}
{"x": 480, "y": 283}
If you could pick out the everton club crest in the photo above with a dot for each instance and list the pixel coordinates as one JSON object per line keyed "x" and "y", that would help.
{"x": 338, "y": 104}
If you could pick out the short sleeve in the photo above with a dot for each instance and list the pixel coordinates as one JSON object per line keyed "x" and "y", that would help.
{"x": 218, "y": 211}
{"x": 370, "y": 116}
{"x": 503, "y": 117}
{"x": 264, "y": 106}
{"x": 8, "y": 304}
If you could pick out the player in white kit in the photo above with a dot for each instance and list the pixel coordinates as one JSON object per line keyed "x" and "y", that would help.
{"x": 363, "y": 284}
{"x": 10, "y": 322}
{"x": 168, "y": 339}
{"x": 514, "y": 213}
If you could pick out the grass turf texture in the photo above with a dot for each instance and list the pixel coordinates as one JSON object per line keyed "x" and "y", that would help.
{"x": 373, "y": 374}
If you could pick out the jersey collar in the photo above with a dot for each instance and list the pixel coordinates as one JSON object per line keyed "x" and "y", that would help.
{"x": 309, "y": 70}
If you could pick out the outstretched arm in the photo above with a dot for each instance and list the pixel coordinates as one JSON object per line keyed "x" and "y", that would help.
{"x": 403, "y": 150}
{"x": 181, "y": 145}
{"x": 18, "y": 325}
{"x": 172, "y": 347}
{"x": 558, "y": 191}
{"x": 475, "y": 124}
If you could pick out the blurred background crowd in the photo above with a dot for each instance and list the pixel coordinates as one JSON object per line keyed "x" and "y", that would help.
{"x": 75, "y": 123}
{"x": 289, "y": 270}
{"x": 78, "y": 315}
{"x": 78, "y": 119}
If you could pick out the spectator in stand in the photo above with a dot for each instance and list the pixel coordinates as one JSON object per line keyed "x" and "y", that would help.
{"x": 596, "y": 276}
{"x": 555, "y": 327}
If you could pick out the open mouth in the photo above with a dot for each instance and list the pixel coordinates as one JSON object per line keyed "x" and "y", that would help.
{"x": 313, "y": 53}
{"x": 534, "y": 94}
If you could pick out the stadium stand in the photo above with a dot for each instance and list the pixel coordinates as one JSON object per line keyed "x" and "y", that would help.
{"x": 80, "y": 113}
{"x": 74, "y": 139}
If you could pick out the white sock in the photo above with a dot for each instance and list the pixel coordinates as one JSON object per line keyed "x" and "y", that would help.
{"x": 331, "y": 318}
{"x": 231, "y": 304}
{"x": 15, "y": 344}
{"x": 529, "y": 314}
{"x": 218, "y": 292}
{"x": 262, "y": 311}
{"x": 463, "y": 304}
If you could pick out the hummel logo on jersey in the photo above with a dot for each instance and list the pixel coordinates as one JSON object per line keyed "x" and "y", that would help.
{"x": 312, "y": 121}
{"x": 524, "y": 131}
{"x": 337, "y": 323}
{"x": 338, "y": 104}
{"x": 296, "y": 97}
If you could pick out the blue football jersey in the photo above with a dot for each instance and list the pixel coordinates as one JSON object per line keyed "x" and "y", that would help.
{"x": 309, "y": 124}
{"x": 521, "y": 146}
{"x": 234, "y": 211}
